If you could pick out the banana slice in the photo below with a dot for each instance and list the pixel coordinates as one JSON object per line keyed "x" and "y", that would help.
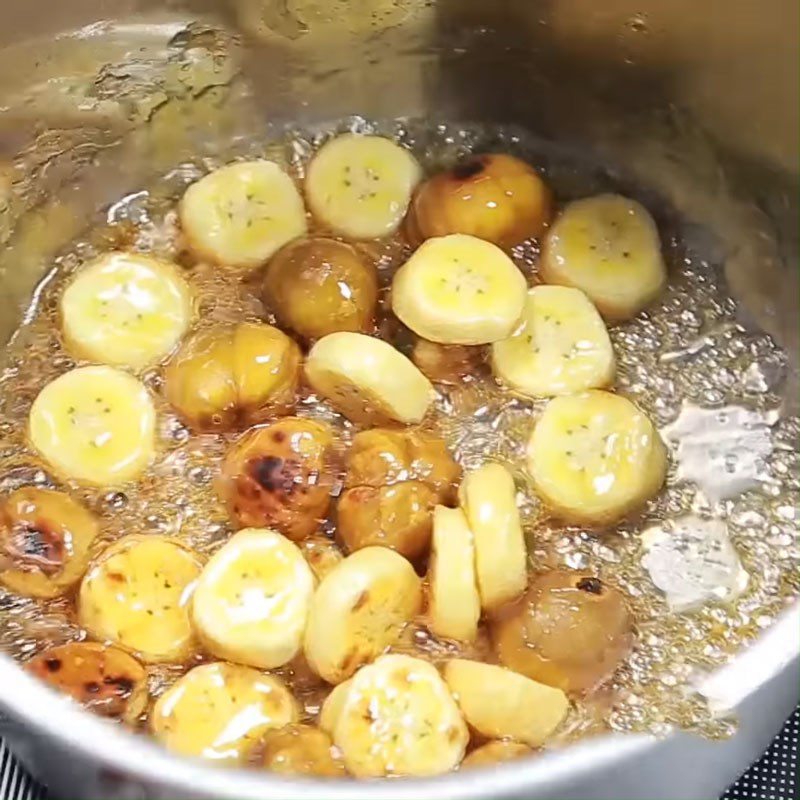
{"x": 494, "y": 753}
{"x": 45, "y": 538}
{"x": 500, "y": 703}
{"x": 595, "y": 457}
{"x": 489, "y": 499}
{"x": 94, "y": 424}
{"x": 562, "y": 346}
{"x": 221, "y": 712}
{"x": 458, "y": 289}
{"x": 240, "y": 215}
{"x": 398, "y": 718}
{"x": 367, "y": 379}
{"x": 453, "y": 603}
{"x": 608, "y": 246}
{"x": 137, "y": 595}
{"x": 251, "y": 602}
{"x": 106, "y": 680}
{"x": 360, "y": 186}
{"x": 125, "y": 309}
{"x": 358, "y": 610}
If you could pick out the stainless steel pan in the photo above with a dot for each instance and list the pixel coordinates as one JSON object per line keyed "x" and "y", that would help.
{"x": 685, "y": 94}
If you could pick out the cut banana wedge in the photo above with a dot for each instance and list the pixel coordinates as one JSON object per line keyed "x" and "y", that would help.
{"x": 125, "y": 309}
{"x": 106, "y": 680}
{"x": 137, "y": 595}
{"x": 501, "y": 704}
{"x": 488, "y": 497}
{"x": 220, "y": 712}
{"x": 251, "y": 602}
{"x": 562, "y": 346}
{"x": 368, "y": 380}
{"x": 358, "y": 610}
{"x": 94, "y": 424}
{"x": 332, "y": 707}
{"x": 595, "y": 457}
{"x": 453, "y": 603}
{"x": 239, "y": 215}
{"x": 609, "y": 247}
{"x": 495, "y": 752}
{"x": 398, "y": 718}
{"x": 360, "y": 186}
{"x": 458, "y": 289}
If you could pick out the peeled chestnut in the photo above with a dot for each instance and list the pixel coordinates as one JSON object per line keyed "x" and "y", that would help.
{"x": 399, "y": 516}
{"x": 45, "y": 538}
{"x": 279, "y": 477}
{"x": 301, "y": 750}
{"x": 445, "y": 363}
{"x": 319, "y": 286}
{"x": 382, "y": 457}
{"x": 570, "y": 630}
{"x": 494, "y": 197}
{"x": 231, "y": 377}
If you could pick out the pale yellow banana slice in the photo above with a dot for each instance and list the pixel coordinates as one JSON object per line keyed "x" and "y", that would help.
{"x": 358, "y": 610}
{"x": 595, "y": 457}
{"x": 94, "y": 424}
{"x": 368, "y": 380}
{"x": 488, "y": 497}
{"x": 562, "y": 346}
{"x": 220, "y": 712}
{"x": 360, "y": 186}
{"x": 399, "y": 718}
{"x": 501, "y": 704}
{"x": 137, "y": 594}
{"x": 241, "y": 214}
{"x": 453, "y": 603}
{"x": 608, "y": 246}
{"x": 251, "y": 602}
{"x": 125, "y": 309}
{"x": 459, "y": 289}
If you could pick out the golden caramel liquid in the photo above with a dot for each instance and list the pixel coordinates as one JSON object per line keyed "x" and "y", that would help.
{"x": 688, "y": 350}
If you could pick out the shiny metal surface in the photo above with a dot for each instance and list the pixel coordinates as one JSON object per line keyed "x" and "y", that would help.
{"x": 698, "y": 100}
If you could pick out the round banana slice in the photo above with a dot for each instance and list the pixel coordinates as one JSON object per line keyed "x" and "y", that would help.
{"x": 489, "y": 499}
{"x": 595, "y": 457}
{"x": 495, "y": 752}
{"x": 137, "y": 595}
{"x": 458, "y": 289}
{"x": 453, "y": 603}
{"x": 125, "y": 309}
{"x": 367, "y": 379}
{"x": 500, "y": 703}
{"x": 360, "y": 186}
{"x": 358, "y": 610}
{"x": 562, "y": 346}
{"x": 94, "y": 424}
{"x": 398, "y": 718}
{"x": 221, "y": 712}
{"x": 608, "y": 246}
{"x": 105, "y": 680}
{"x": 241, "y": 214}
{"x": 45, "y": 538}
{"x": 251, "y": 602}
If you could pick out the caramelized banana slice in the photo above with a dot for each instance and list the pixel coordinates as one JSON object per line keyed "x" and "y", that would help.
{"x": 301, "y": 750}
{"x": 104, "y": 679}
{"x": 398, "y": 718}
{"x": 45, "y": 538}
{"x": 358, "y": 610}
{"x": 495, "y": 752}
{"x": 137, "y": 595}
{"x": 220, "y": 712}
